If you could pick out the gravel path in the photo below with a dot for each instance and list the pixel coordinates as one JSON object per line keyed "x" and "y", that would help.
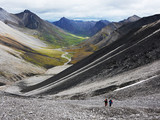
{"x": 46, "y": 108}
{"x": 58, "y": 69}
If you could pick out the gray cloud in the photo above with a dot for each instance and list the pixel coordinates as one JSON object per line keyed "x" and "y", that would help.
{"x": 113, "y": 10}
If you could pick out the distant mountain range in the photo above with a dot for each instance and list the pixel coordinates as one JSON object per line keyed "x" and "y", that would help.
{"x": 83, "y": 28}
{"x": 42, "y": 29}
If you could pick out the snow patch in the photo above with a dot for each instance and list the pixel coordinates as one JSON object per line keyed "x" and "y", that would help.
{"x": 135, "y": 83}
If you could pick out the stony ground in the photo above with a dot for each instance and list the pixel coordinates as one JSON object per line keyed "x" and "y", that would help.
{"x": 138, "y": 101}
{"x": 47, "y": 108}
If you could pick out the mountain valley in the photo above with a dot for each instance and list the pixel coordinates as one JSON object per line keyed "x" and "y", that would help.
{"x": 50, "y": 73}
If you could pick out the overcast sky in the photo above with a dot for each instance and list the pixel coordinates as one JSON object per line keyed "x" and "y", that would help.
{"x": 112, "y": 10}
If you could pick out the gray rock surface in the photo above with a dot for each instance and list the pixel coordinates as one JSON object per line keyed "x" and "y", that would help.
{"x": 19, "y": 108}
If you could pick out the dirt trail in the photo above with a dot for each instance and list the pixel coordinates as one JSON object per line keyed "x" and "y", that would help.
{"x": 58, "y": 69}
{"x": 64, "y": 56}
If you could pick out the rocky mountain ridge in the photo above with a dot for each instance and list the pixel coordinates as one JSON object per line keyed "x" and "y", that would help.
{"x": 112, "y": 32}
{"x": 84, "y": 28}
{"x": 29, "y": 23}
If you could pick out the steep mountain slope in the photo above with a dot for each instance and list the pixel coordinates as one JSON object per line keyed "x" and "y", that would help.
{"x": 20, "y": 37}
{"x": 13, "y": 67}
{"x": 17, "y": 48}
{"x": 9, "y": 18}
{"x": 83, "y": 28}
{"x": 137, "y": 48}
{"x": 12, "y": 44}
{"x": 33, "y": 49}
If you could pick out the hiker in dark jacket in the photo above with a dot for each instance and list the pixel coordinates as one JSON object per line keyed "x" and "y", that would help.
{"x": 110, "y": 103}
{"x": 106, "y": 102}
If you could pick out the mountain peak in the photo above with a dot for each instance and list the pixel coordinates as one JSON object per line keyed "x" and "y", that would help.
{"x": 133, "y": 18}
{"x": 104, "y": 21}
{"x": 64, "y": 18}
{"x": 29, "y": 19}
{"x": 27, "y": 11}
{"x": 1, "y": 9}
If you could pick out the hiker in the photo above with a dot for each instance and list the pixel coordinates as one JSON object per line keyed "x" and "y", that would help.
{"x": 110, "y": 103}
{"x": 106, "y": 102}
